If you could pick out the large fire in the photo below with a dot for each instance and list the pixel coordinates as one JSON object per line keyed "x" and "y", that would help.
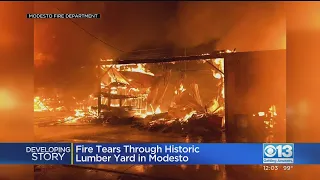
{"x": 218, "y": 104}
{"x": 72, "y": 116}
{"x": 119, "y": 92}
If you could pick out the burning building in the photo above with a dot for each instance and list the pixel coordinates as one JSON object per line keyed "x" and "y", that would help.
{"x": 164, "y": 91}
{"x": 199, "y": 94}
{"x": 124, "y": 90}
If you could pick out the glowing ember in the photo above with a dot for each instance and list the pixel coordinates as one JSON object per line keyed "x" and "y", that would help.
{"x": 79, "y": 113}
{"x": 261, "y": 113}
{"x": 71, "y": 119}
{"x": 214, "y": 107}
{"x": 92, "y": 112}
{"x": 114, "y": 91}
{"x": 180, "y": 90}
{"x": 273, "y": 111}
{"x": 222, "y": 92}
{"x": 228, "y": 51}
{"x": 134, "y": 89}
{"x": 138, "y": 68}
{"x": 158, "y": 110}
{"x": 115, "y": 105}
{"x": 189, "y": 115}
{"x": 220, "y": 63}
{"x": 141, "y": 68}
{"x": 38, "y": 105}
{"x": 269, "y": 122}
{"x": 217, "y": 75}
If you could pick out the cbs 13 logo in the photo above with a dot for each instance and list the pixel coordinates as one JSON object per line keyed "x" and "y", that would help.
{"x": 278, "y": 151}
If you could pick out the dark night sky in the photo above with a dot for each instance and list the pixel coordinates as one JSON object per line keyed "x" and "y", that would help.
{"x": 62, "y": 48}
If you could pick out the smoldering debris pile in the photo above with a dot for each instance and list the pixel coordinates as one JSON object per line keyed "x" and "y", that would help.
{"x": 195, "y": 124}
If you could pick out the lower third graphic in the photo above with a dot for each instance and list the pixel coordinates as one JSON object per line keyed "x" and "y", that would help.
{"x": 280, "y": 153}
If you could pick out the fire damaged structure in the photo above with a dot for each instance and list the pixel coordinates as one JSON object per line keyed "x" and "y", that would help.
{"x": 164, "y": 94}
{"x": 139, "y": 91}
{"x": 241, "y": 93}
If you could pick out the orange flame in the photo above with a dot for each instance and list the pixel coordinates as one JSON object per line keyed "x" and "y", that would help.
{"x": 38, "y": 105}
{"x": 216, "y": 75}
{"x": 158, "y": 110}
{"x": 79, "y": 113}
{"x": 180, "y": 90}
{"x": 139, "y": 68}
{"x": 189, "y": 115}
{"x": 273, "y": 111}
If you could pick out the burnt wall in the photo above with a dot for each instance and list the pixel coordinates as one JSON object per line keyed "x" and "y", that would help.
{"x": 254, "y": 82}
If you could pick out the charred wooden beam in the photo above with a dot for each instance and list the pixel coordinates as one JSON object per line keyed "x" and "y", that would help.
{"x": 164, "y": 59}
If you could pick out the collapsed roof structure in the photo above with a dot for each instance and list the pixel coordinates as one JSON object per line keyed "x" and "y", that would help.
{"x": 128, "y": 88}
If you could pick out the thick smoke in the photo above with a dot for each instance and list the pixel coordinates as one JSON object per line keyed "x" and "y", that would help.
{"x": 128, "y": 26}
{"x": 66, "y": 48}
{"x": 247, "y": 26}
{"x": 68, "y": 54}
{"x": 124, "y": 26}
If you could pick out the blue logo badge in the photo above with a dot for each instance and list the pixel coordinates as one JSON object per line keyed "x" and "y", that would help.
{"x": 278, "y": 153}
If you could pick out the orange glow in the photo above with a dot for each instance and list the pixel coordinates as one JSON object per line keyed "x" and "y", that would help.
{"x": 261, "y": 113}
{"x": 189, "y": 115}
{"x": 40, "y": 59}
{"x": 217, "y": 75}
{"x": 220, "y": 63}
{"x": 7, "y": 100}
{"x": 38, "y": 106}
{"x": 180, "y": 90}
{"x": 137, "y": 68}
{"x": 273, "y": 111}
{"x": 141, "y": 68}
{"x": 115, "y": 105}
{"x": 215, "y": 106}
{"x": 79, "y": 113}
{"x": 158, "y": 110}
